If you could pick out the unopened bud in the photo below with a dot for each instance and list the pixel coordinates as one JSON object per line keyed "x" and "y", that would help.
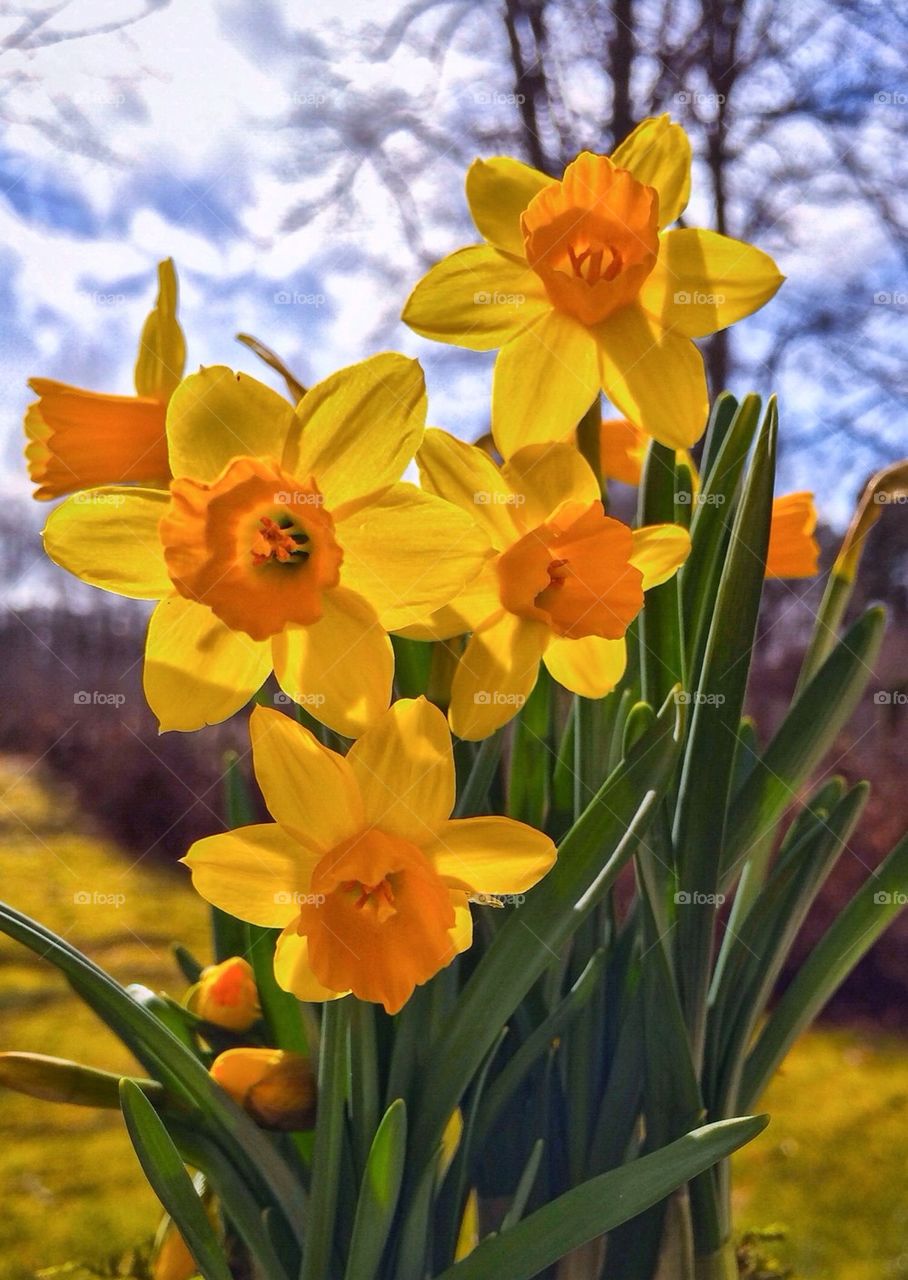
{"x": 226, "y": 995}
{"x": 275, "y": 1086}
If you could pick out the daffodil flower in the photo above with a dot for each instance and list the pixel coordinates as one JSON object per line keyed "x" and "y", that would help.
{"x": 80, "y": 439}
{"x": 275, "y": 1086}
{"x": 793, "y": 550}
{"x": 561, "y": 585}
{"x": 583, "y": 289}
{"x": 285, "y": 542}
{"x": 363, "y": 869}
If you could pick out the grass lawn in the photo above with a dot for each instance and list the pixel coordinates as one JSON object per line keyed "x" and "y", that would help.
{"x": 832, "y": 1168}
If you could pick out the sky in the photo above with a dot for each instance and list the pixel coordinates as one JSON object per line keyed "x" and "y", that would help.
{"x": 208, "y": 131}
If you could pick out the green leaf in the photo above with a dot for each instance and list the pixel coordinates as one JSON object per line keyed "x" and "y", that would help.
{"x": 879, "y": 900}
{"x": 661, "y": 651}
{"x": 714, "y": 511}
{"x": 329, "y": 1141}
{"x": 805, "y": 735}
{"x": 602, "y": 1204}
{"x": 378, "y": 1195}
{"x": 590, "y": 857}
{"x": 164, "y": 1169}
{"x": 412, "y": 661}
{"x": 524, "y": 1187}
{"x": 529, "y": 773}
{"x": 710, "y": 752}
{"x": 721, "y": 417}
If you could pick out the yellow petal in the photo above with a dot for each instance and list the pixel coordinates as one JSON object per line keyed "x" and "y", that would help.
{"x": 543, "y": 476}
{"x": 109, "y": 537}
{"x": 360, "y": 427}
{"x": 656, "y": 378}
{"x": 256, "y": 873}
{"x": 468, "y": 1233}
{"x": 217, "y": 415}
{"x": 498, "y": 191}
{"x": 339, "y": 668}
{"x": 495, "y": 675}
{"x": 308, "y": 789}
{"x": 622, "y": 450}
{"x": 479, "y": 599}
{"x": 659, "y": 552}
{"x": 405, "y": 769}
{"x": 703, "y": 282}
{"x": 658, "y": 153}
{"x": 545, "y": 380}
{"x": 292, "y": 971}
{"x": 491, "y": 855}
{"x": 793, "y": 550}
{"x": 198, "y": 671}
{"x": 477, "y": 297}
{"x": 461, "y": 934}
{"x": 408, "y": 553}
{"x": 465, "y": 474}
{"x": 590, "y": 667}
{"x": 162, "y": 347}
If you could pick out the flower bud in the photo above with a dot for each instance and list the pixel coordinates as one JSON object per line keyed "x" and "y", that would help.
{"x": 173, "y": 1260}
{"x": 275, "y": 1086}
{"x": 226, "y": 995}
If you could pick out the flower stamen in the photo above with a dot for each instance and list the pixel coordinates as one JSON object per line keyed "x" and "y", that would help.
{"x": 278, "y": 542}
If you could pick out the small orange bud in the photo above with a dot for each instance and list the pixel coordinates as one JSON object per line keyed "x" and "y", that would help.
{"x": 275, "y": 1086}
{"x": 226, "y": 995}
{"x": 173, "y": 1260}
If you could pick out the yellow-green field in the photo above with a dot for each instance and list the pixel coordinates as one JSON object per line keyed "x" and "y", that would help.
{"x": 832, "y": 1168}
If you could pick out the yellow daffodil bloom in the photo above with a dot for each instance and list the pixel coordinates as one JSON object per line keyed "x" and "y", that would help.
{"x": 226, "y": 995}
{"x": 363, "y": 869}
{"x": 793, "y": 550}
{"x": 562, "y": 583}
{"x": 276, "y": 1086}
{"x": 583, "y": 289}
{"x": 285, "y": 542}
{"x": 80, "y": 439}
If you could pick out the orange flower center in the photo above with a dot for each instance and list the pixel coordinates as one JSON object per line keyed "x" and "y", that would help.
{"x": 256, "y": 545}
{"x": 230, "y": 986}
{"x": 574, "y": 574}
{"x": 592, "y": 238}
{"x": 379, "y": 921}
